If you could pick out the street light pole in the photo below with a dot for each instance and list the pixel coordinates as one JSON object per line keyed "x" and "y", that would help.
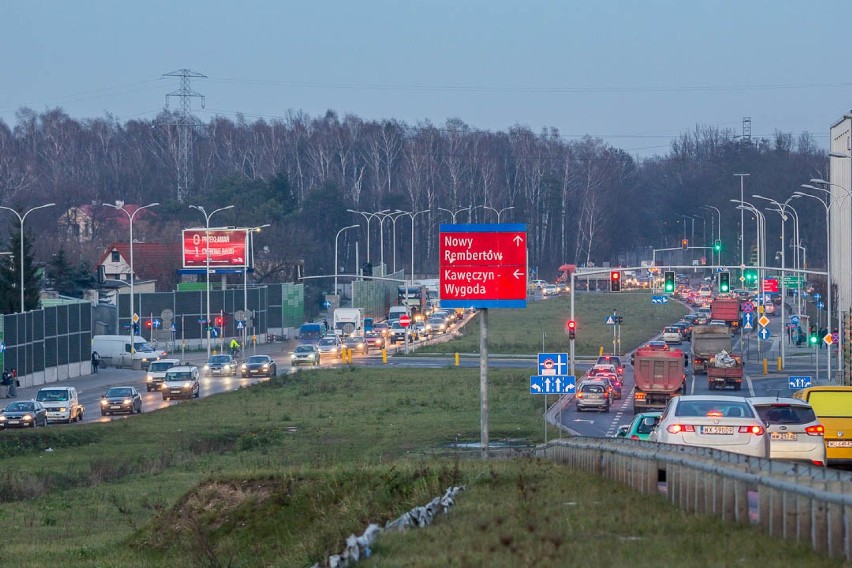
{"x": 393, "y": 217}
{"x": 207, "y": 253}
{"x": 335, "y": 253}
{"x": 369, "y": 217}
{"x": 250, "y": 234}
{"x": 499, "y": 212}
{"x": 742, "y": 218}
{"x": 413, "y": 215}
{"x": 456, "y": 212}
{"x": 130, "y": 217}
{"x": 23, "y": 218}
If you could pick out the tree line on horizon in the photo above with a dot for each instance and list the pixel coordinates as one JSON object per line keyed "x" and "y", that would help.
{"x": 581, "y": 200}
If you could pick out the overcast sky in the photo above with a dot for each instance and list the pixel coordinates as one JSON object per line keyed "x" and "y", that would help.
{"x": 634, "y": 73}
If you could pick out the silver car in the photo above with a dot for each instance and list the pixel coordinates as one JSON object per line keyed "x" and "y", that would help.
{"x": 728, "y": 423}
{"x": 795, "y": 433}
{"x": 593, "y": 394}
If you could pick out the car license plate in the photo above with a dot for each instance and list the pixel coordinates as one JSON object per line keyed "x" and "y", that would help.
{"x": 254, "y": 371}
{"x": 13, "y": 422}
{"x": 839, "y": 443}
{"x": 115, "y": 407}
{"x": 717, "y": 429}
{"x": 176, "y": 392}
{"x": 783, "y": 436}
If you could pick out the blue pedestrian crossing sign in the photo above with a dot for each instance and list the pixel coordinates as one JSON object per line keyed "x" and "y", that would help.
{"x": 797, "y": 383}
{"x": 763, "y": 333}
{"x": 552, "y": 384}
{"x": 748, "y": 320}
{"x": 173, "y": 328}
{"x": 241, "y": 324}
{"x": 610, "y": 320}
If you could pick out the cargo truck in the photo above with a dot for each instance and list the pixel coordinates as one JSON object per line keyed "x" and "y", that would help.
{"x": 719, "y": 377}
{"x": 727, "y": 310}
{"x": 707, "y": 341}
{"x": 658, "y": 376}
{"x": 348, "y": 321}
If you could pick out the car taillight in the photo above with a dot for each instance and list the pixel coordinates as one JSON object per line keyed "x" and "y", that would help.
{"x": 754, "y": 429}
{"x": 579, "y": 395}
{"x": 678, "y": 428}
{"x": 817, "y": 430}
{"x": 635, "y": 437}
{"x": 606, "y": 394}
{"x": 819, "y": 463}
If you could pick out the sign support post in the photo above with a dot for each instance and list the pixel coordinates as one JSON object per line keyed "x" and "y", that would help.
{"x": 483, "y": 381}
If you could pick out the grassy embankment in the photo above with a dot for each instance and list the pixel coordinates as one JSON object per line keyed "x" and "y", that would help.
{"x": 540, "y": 327}
{"x": 279, "y": 474}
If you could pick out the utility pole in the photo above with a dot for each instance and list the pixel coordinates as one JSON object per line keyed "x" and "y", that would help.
{"x": 185, "y": 128}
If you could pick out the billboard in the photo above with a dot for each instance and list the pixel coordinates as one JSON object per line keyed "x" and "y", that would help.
{"x": 227, "y": 248}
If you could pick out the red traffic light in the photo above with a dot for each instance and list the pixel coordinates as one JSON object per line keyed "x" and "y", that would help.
{"x": 219, "y": 321}
{"x": 148, "y": 324}
{"x": 572, "y": 325}
{"x": 615, "y": 275}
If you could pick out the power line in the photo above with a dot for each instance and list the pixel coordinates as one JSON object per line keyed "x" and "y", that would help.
{"x": 185, "y": 127}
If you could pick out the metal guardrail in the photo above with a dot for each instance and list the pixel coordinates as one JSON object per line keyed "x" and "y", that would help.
{"x": 788, "y": 500}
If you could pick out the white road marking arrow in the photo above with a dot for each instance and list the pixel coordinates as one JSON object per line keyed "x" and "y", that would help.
{"x": 517, "y": 273}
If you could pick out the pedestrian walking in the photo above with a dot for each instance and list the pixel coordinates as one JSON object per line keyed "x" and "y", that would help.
{"x": 13, "y": 383}
{"x": 5, "y": 381}
{"x": 325, "y": 323}
{"x": 96, "y": 361}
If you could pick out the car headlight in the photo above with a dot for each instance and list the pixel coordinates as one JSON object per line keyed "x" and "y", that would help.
{"x": 2, "y": 418}
{"x": 187, "y": 384}
{"x": 265, "y": 367}
{"x": 206, "y": 366}
{"x": 27, "y": 417}
{"x": 127, "y": 401}
{"x": 293, "y": 356}
{"x": 149, "y": 378}
{"x": 244, "y": 367}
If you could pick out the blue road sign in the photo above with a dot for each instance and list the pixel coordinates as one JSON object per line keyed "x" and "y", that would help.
{"x": 173, "y": 329}
{"x": 817, "y": 296}
{"x": 820, "y": 305}
{"x": 214, "y": 332}
{"x": 157, "y": 323}
{"x": 241, "y": 324}
{"x": 794, "y": 320}
{"x": 763, "y": 333}
{"x": 326, "y": 304}
{"x": 553, "y": 364}
{"x": 202, "y": 321}
{"x": 797, "y": 383}
{"x": 748, "y": 319}
{"x": 748, "y": 307}
{"x": 2, "y": 346}
{"x": 552, "y": 384}
{"x": 659, "y": 299}
{"x": 610, "y": 320}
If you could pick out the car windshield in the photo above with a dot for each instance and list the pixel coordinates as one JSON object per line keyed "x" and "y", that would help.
{"x": 220, "y": 359}
{"x": 785, "y": 414}
{"x": 327, "y": 341}
{"x": 51, "y": 395}
{"x": 160, "y": 366}
{"x": 310, "y": 333}
{"x": 179, "y": 376}
{"x": 257, "y": 359}
{"x": 828, "y": 404}
{"x": 355, "y": 339}
{"x": 143, "y": 347}
{"x": 672, "y": 329}
{"x": 20, "y": 407}
{"x": 714, "y": 408}
{"x": 119, "y": 392}
{"x": 593, "y": 388}
{"x": 645, "y": 428}
{"x": 304, "y": 349}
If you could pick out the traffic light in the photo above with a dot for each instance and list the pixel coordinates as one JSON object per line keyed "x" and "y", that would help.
{"x": 717, "y": 246}
{"x": 219, "y": 321}
{"x": 684, "y": 244}
{"x": 619, "y": 319}
{"x": 669, "y": 281}
{"x": 572, "y": 329}
{"x": 615, "y": 281}
{"x": 812, "y": 337}
{"x": 148, "y": 324}
{"x": 724, "y": 282}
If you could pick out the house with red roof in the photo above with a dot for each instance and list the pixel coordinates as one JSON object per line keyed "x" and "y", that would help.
{"x": 152, "y": 262}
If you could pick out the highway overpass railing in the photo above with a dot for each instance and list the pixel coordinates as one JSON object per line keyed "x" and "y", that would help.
{"x": 792, "y": 501}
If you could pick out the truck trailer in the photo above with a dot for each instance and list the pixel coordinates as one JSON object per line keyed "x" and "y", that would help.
{"x": 707, "y": 341}
{"x": 727, "y": 310}
{"x": 658, "y": 375}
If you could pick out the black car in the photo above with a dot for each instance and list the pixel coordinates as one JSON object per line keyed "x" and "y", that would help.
{"x": 221, "y": 365}
{"x": 357, "y": 343}
{"x": 259, "y": 366}
{"x": 23, "y": 414}
{"x": 121, "y": 400}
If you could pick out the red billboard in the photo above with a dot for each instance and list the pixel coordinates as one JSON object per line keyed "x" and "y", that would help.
{"x": 227, "y": 248}
{"x": 483, "y": 266}
{"x": 771, "y": 285}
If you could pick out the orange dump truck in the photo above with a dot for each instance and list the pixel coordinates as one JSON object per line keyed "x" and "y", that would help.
{"x": 727, "y": 310}
{"x": 729, "y": 375}
{"x": 658, "y": 375}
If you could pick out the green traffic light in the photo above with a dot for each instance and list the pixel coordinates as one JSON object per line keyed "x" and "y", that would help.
{"x": 717, "y": 246}
{"x": 813, "y": 339}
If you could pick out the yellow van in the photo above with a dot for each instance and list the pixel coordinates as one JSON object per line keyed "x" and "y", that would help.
{"x": 833, "y": 407}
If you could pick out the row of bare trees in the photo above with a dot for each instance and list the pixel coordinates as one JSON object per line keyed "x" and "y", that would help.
{"x": 582, "y": 200}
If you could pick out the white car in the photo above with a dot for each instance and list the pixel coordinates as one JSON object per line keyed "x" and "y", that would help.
{"x": 721, "y": 323}
{"x": 550, "y": 290}
{"x": 795, "y": 432}
{"x": 728, "y": 423}
{"x": 671, "y": 334}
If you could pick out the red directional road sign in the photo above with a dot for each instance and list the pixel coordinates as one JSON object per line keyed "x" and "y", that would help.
{"x": 483, "y": 266}
{"x": 404, "y": 320}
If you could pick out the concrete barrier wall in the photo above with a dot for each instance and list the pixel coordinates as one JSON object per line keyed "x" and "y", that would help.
{"x": 799, "y": 502}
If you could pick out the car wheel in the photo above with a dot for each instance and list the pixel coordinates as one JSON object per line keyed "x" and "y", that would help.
{"x": 197, "y": 393}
